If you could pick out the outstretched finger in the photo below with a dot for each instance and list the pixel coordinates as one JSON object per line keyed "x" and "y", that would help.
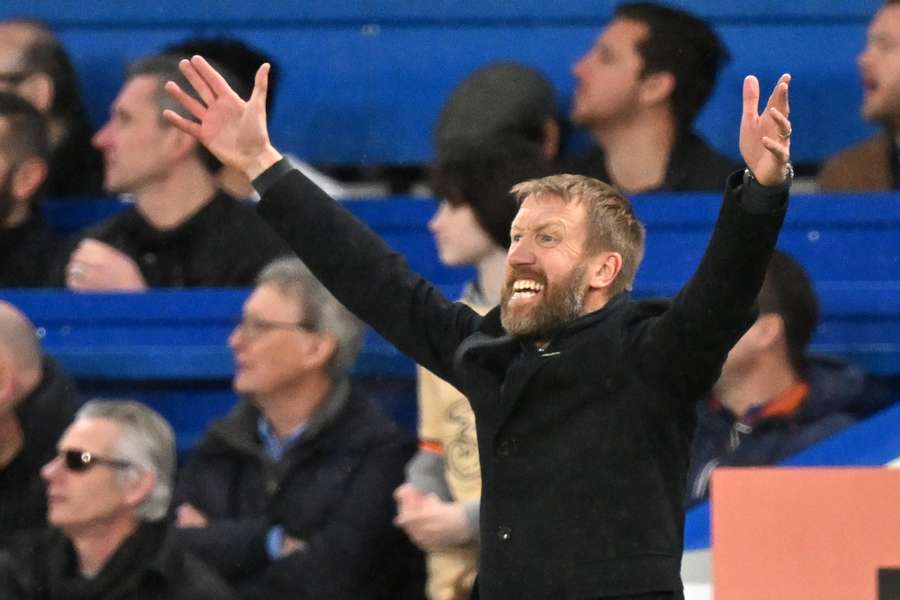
{"x": 261, "y": 85}
{"x": 779, "y": 96}
{"x": 751, "y": 98}
{"x": 784, "y": 125}
{"x": 186, "y": 100}
{"x": 185, "y": 125}
{"x": 213, "y": 78}
{"x": 197, "y": 82}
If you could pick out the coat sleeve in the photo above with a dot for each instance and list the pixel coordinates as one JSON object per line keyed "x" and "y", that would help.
{"x": 345, "y": 558}
{"x": 369, "y": 278}
{"x": 686, "y": 346}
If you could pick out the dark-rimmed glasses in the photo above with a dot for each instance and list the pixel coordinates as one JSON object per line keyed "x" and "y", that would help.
{"x": 79, "y": 461}
{"x": 253, "y": 328}
{"x": 13, "y": 78}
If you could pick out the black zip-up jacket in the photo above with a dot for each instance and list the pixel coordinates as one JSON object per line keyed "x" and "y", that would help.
{"x": 584, "y": 446}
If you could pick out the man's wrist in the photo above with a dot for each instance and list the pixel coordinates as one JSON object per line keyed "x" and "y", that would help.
{"x": 786, "y": 180}
{"x": 261, "y": 162}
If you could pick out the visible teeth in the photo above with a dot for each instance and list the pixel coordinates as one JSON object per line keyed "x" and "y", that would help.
{"x": 527, "y": 285}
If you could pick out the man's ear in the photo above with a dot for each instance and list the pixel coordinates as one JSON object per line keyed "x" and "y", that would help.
{"x": 604, "y": 268}
{"x": 769, "y": 330}
{"x": 322, "y": 348}
{"x": 28, "y": 178}
{"x": 7, "y": 383}
{"x": 38, "y": 90}
{"x": 137, "y": 490}
{"x": 182, "y": 144}
{"x": 657, "y": 88}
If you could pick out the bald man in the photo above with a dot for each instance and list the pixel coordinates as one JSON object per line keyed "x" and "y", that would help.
{"x": 37, "y": 403}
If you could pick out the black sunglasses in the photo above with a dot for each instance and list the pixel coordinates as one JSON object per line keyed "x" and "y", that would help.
{"x": 80, "y": 461}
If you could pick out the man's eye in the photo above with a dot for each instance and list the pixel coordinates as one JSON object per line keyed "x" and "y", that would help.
{"x": 515, "y": 237}
{"x": 546, "y": 238}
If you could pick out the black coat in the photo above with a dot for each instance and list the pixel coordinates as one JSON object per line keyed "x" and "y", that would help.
{"x": 147, "y": 566}
{"x": 333, "y": 489}
{"x": 28, "y": 252}
{"x": 584, "y": 446}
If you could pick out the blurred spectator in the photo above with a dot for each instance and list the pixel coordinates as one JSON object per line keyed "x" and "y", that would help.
{"x": 35, "y": 66}
{"x": 638, "y": 92}
{"x": 243, "y": 60}
{"x": 290, "y": 494}
{"x": 874, "y": 165}
{"x": 27, "y": 245}
{"x": 506, "y": 100}
{"x": 109, "y": 488}
{"x": 37, "y": 402}
{"x": 772, "y": 399}
{"x": 182, "y": 231}
{"x": 438, "y": 506}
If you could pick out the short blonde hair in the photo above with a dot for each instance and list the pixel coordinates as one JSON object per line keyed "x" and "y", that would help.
{"x": 612, "y": 224}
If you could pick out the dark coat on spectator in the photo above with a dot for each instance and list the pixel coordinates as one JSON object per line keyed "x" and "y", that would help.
{"x": 839, "y": 393}
{"x": 225, "y": 244}
{"x": 694, "y": 166}
{"x": 332, "y": 489}
{"x": 75, "y": 167}
{"x": 584, "y": 446}
{"x": 27, "y": 253}
{"x": 147, "y": 566}
{"x": 863, "y": 167}
{"x": 44, "y": 415}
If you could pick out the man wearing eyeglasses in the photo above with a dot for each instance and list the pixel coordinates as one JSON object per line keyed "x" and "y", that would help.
{"x": 108, "y": 490}
{"x": 290, "y": 495}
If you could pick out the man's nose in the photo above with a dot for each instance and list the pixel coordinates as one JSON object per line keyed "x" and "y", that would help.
{"x": 520, "y": 253}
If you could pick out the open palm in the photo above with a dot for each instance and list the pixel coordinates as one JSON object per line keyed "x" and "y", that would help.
{"x": 765, "y": 139}
{"x": 233, "y": 130}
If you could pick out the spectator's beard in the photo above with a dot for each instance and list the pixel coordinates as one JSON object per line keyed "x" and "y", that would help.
{"x": 560, "y": 304}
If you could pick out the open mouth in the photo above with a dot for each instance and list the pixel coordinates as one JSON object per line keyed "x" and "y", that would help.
{"x": 525, "y": 290}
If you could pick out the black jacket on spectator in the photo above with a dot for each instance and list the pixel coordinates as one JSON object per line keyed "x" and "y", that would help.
{"x": 75, "y": 166}
{"x": 584, "y": 445}
{"x": 693, "y": 166}
{"x": 44, "y": 415}
{"x": 147, "y": 566}
{"x": 27, "y": 252}
{"x": 332, "y": 489}
{"x": 225, "y": 244}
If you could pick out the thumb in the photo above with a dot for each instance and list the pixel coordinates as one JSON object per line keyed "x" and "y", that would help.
{"x": 261, "y": 86}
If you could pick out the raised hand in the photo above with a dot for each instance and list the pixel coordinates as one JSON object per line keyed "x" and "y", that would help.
{"x": 765, "y": 140}
{"x": 233, "y": 130}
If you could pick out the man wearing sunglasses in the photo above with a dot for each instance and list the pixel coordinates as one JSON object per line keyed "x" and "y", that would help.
{"x": 290, "y": 495}
{"x": 108, "y": 491}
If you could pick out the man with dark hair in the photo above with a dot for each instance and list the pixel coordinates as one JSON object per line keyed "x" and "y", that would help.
{"x": 37, "y": 402}
{"x": 772, "y": 399}
{"x": 638, "y": 91}
{"x": 290, "y": 494}
{"x": 182, "y": 231}
{"x": 873, "y": 165}
{"x": 584, "y": 399}
{"x": 27, "y": 245}
{"x": 35, "y": 66}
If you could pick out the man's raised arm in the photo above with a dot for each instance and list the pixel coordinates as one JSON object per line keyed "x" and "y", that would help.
{"x": 369, "y": 278}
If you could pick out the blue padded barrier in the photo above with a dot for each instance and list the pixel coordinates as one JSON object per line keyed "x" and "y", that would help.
{"x": 363, "y": 82}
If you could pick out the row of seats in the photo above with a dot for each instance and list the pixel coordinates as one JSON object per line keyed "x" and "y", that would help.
{"x": 363, "y": 82}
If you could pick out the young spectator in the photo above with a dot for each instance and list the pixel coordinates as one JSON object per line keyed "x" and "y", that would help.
{"x": 638, "y": 92}
{"x": 438, "y": 506}
{"x": 242, "y": 60}
{"x": 109, "y": 488}
{"x": 27, "y": 245}
{"x": 37, "y": 402}
{"x": 874, "y": 164}
{"x": 35, "y": 66}
{"x": 773, "y": 399}
{"x": 505, "y": 100}
{"x": 290, "y": 494}
{"x": 182, "y": 231}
